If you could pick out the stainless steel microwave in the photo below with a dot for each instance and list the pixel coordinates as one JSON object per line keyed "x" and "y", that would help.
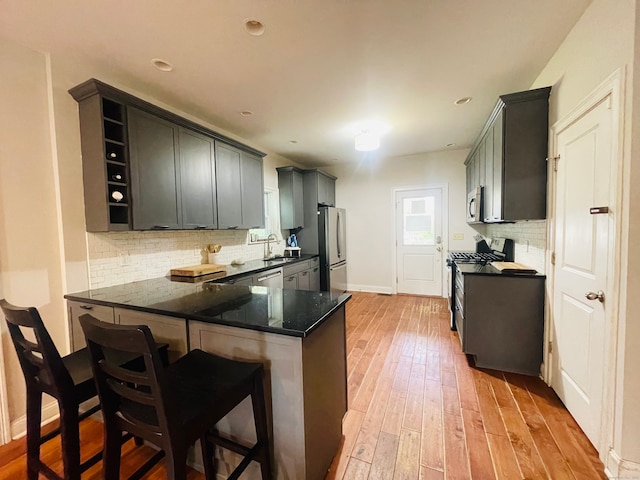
{"x": 474, "y": 205}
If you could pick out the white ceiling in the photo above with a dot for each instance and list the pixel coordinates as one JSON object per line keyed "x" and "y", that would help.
{"x": 319, "y": 68}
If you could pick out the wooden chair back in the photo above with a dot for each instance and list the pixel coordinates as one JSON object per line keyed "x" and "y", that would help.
{"x": 139, "y": 402}
{"x": 40, "y": 360}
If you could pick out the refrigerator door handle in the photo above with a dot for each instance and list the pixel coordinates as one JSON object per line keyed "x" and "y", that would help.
{"x": 338, "y": 233}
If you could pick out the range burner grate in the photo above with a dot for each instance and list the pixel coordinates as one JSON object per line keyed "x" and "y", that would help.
{"x": 474, "y": 257}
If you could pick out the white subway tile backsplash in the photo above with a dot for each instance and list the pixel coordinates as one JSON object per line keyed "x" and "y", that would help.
{"x": 123, "y": 257}
{"x": 530, "y": 240}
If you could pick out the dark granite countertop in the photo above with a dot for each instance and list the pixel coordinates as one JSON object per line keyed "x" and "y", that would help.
{"x": 248, "y": 268}
{"x": 479, "y": 269}
{"x": 286, "y": 312}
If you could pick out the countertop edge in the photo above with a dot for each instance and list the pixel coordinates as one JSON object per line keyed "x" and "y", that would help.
{"x": 343, "y": 299}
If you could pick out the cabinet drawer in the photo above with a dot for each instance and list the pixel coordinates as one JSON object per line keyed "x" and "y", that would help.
{"x": 292, "y": 268}
{"x": 314, "y": 262}
{"x": 76, "y": 309}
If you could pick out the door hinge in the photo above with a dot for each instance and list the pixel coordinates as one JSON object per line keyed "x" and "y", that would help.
{"x": 555, "y": 162}
{"x": 553, "y": 258}
{"x": 550, "y": 346}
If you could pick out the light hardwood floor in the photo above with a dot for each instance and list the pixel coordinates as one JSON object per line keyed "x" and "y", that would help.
{"x": 417, "y": 410}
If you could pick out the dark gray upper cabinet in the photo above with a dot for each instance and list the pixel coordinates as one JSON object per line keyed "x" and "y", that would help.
{"x": 509, "y": 158}
{"x": 252, "y": 190}
{"x": 197, "y": 177}
{"x": 155, "y": 176}
{"x": 290, "y": 185}
{"x": 326, "y": 189}
{"x": 165, "y": 177}
{"x": 227, "y": 184}
{"x": 319, "y": 189}
{"x": 240, "y": 188}
{"x": 105, "y": 172}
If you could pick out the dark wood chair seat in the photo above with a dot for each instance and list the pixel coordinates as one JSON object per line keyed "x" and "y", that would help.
{"x": 173, "y": 406}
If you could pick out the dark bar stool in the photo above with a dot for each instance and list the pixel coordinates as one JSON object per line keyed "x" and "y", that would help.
{"x": 172, "y": 407}
{"x": 68, "y": 379}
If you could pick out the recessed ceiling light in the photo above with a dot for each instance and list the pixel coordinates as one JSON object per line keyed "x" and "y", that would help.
{"x": 253, "y": 27}
{"x": 161, "y": 65}
{"x": 462, "y": 101}
{"x": 451, "y": 144}
{"x": 246, "y": 113}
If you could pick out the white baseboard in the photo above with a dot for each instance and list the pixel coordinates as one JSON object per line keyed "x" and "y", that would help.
{"x": 370, "y": 288}
{"x": 618, "y": 468}
{"x": 18, "y": 427}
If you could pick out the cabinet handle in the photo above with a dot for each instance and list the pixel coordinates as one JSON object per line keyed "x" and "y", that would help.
{"x": 86, "y": 307}
{"x": 305, "y": 273}
{"x": 232, "y": 227}
{"x": 315, "y": 269}
{"x": 161, "y": 227}
{"x": 200, "y": 227}
{"x": 256, "y": 226}
{"x": 271, "y": 275}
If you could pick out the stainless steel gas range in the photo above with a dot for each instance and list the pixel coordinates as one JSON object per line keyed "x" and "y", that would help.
{"x": 500, "y": 249}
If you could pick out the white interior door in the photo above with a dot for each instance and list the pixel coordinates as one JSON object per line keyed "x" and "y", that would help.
{"x": 419, "y": 241}
{"x": 581, "y": 264}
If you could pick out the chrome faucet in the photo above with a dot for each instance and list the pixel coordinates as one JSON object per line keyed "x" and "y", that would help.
{"x": 269, "y": 253}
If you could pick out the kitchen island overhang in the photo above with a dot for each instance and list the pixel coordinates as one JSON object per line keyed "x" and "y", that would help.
{"x": 298, "y": 335}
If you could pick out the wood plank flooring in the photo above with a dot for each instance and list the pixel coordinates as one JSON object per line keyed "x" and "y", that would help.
{"x": 417, "y": 410}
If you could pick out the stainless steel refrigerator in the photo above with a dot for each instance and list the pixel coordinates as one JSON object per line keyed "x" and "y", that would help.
{"x": 332, "y": 235}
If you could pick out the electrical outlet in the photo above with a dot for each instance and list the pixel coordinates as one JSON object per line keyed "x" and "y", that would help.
{"x": 458, "y": 236}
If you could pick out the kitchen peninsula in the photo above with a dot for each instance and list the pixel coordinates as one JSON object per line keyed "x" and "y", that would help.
{"x": 298, "y": 335}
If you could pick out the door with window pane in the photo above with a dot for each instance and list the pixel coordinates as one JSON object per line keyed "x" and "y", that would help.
{"x": 419, "y": 241}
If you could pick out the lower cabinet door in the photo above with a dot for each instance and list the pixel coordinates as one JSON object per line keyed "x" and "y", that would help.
{"x": 304, "y": 280}
{"x": 164, "y": 329}
{"x": 291, "y": 282}
{"x": 76, "y": 310}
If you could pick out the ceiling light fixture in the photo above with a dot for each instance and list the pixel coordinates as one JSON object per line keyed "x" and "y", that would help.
{"x": 462, "y": 101}
{"x": 368, "y": 133}
{"x": 253, "y": 27}
{"x": 367, "y": 141}
{"x": 161, "y": 65}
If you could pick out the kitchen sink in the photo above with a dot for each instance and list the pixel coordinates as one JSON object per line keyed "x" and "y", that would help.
{"x": 279, "y": 260}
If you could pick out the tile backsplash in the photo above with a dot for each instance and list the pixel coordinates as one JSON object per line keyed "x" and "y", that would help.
{"x": 122, "y": 257}
{"x": 530, "y": 239}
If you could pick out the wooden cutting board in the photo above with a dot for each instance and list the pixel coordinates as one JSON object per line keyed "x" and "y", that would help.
{"x": 197, "y": 270}
{"x": 512, "y": 267}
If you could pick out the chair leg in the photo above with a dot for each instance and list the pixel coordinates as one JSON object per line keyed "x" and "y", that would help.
{"x": 262, "y": 430}
{"x": 208, "y": 458}
{"x": 34, "y": 418}
{"x": 70, "y": 436}
{"x": 176, "y": 463}
{"x": 111, "y": 452}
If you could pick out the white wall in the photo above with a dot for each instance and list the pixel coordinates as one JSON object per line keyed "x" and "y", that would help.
{"x": 366, "y": 191}
{"x": 30, "y": 263}
{"x": 600, "y": 43}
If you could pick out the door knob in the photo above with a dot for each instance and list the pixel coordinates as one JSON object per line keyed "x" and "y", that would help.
{"x": 599, "y": 295}
{"x": 438, "y": 248}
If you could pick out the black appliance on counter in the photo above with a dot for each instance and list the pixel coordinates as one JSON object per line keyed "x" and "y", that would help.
{"x": 500, "y": 250}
